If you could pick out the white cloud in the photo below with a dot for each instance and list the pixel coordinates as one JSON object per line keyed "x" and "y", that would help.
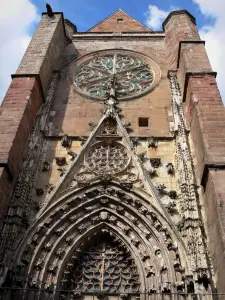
{"x": 155, "y": 17}
{"x": 215, "y": 37}
{"x": 16, "y": 19}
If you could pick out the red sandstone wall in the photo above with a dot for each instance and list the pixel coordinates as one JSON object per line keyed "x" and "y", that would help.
{"x": 72, "y": 111}
{"x": 214, "y": 205}
{"x": 206, "y": 116}
{"x": 178, "y": 27}
{"x": 18, "y": 112}
{"x": 111, "y": 24}
{"x": 24, "y": 97}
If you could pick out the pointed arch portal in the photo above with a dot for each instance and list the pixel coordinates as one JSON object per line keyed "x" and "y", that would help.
{"x": 103, "y": 238}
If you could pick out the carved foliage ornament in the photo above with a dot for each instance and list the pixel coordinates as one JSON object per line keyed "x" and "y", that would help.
{"x": 130, "y": 73}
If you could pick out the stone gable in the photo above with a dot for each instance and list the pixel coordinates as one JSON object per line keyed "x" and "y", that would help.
{"x": 119, "y": 22}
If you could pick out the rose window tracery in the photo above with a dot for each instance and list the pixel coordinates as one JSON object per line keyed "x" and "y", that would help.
{"x": 105, "y": 158}
{"x": 130, "y": 74}
{"x": 102, "y": 267}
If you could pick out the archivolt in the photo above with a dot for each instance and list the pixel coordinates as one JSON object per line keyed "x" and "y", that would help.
{"x": 63, "y": 228}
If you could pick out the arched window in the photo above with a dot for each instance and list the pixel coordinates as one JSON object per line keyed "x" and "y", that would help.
{"x": 103, "y": 265}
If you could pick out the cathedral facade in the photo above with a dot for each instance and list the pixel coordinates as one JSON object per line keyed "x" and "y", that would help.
{"x": 112, "y": 164}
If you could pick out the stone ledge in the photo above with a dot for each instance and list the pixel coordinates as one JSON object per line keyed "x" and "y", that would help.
{"x": 116, "y": 35}
{"x": 8, "y": 169}
{"x": 186, "y": 42}
{"x": 210, "y": 166}
{"x": 37, "y": 76}
{"x": 199, "y": 74}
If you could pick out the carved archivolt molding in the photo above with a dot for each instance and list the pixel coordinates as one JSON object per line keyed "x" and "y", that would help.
{"x": 67, "y": 226}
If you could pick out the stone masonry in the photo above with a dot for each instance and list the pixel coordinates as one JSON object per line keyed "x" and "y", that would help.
{"x": 173, "y": 183}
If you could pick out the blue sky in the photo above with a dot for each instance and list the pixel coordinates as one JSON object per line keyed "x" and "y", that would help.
{"x": 19, "y": 19}
{"x": 87, "y": 13}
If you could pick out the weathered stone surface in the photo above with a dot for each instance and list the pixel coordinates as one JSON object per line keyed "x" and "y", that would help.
{"x": 18, "y": 111}
{"x": 42, "y": 57}
{"x": 214, "y": 205}
{"x": 158, "y": 210}
{"x": 119, "y": 22}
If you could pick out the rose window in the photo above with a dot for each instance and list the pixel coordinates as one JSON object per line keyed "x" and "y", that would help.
{"x": 131, "y": 75}
{"x": 103, "y": 267}
{"x": 107, "y": 158}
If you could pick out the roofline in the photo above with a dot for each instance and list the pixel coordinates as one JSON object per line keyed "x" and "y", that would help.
{"x": 113, "y": 14}
{"x": 63, "y": 20}
{"x": 69, "y": 23}
{"x": 178, "y": 12}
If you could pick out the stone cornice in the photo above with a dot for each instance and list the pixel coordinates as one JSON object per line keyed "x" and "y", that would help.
{"x": 117, "y": 35}
{"x": 211, "y": 166}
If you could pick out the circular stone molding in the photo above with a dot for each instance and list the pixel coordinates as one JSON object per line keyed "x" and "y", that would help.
{"x": 107, "y": 158}
{"x": 131, "y": 74}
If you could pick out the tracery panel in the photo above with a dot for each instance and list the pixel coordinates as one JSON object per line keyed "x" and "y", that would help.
{"x": 131, "y": 74}
{"x": 107, "y": 158}
{"x": 102, "y": 267}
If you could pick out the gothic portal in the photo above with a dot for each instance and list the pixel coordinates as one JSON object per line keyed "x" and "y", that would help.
{"x": 112, "y": 164}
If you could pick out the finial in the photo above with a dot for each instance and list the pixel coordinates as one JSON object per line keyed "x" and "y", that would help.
{"x": 49, "y": 10}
